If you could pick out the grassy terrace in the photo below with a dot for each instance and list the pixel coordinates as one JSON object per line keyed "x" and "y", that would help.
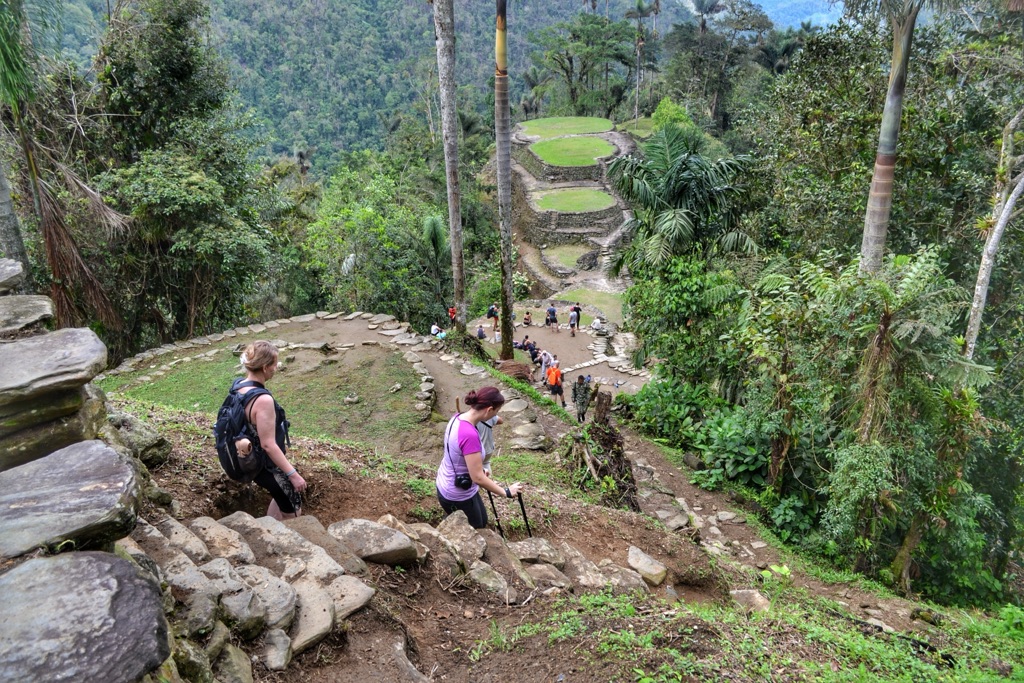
{"x": 567, "y": 254}
{"x": 609, "y": 303}
{"x": 566, "y": 125}
{"x": 583, "y": 199}
{"x": 581, "y": 151}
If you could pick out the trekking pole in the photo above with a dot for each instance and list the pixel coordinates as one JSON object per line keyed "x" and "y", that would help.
{"x": 523, "y": 508}
{"x": 496, "y": 520}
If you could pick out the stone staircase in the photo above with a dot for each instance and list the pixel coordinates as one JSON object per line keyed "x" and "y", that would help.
{"x": 75, "y": 616}
{"x": 283, "y": 587}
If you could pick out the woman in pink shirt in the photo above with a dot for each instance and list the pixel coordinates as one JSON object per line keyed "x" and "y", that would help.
{"x": 461, "y": 473}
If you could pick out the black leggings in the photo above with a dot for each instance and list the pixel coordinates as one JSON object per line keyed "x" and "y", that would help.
{"x": 280, "y": 488}
{"x": 473, "y": 507}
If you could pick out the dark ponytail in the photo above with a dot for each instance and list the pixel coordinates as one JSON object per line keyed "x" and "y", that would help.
{"x": 486, "y": 397}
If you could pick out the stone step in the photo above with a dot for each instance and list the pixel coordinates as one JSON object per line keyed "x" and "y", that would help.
{"x": 81, "y": 496}
{"x": 182, "y": 539}
{"x": 282, "y": 550}
{"x": 61, "y": 360}
{"x": 22, "y": 312}
{"x": 12, "y": 274}
{"x": 86, "y": 616}
{"x": 28, "y": 437}
{"x": 222, "y": 541}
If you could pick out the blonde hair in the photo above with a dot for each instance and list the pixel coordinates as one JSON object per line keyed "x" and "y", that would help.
{"x": 258, "y": 355}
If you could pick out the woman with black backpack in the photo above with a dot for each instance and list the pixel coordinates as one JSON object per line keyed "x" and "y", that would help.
{"x": 281, "y": 480}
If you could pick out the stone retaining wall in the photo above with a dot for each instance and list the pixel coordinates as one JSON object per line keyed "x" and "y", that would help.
{"x": 559, "y": 227}
{"x": 556, "y": 174}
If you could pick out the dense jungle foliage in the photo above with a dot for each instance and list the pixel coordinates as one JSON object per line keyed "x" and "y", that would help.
{"x": 227, "y": 162}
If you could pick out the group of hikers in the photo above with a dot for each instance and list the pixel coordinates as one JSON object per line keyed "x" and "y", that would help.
{"x": 258, "y": 443}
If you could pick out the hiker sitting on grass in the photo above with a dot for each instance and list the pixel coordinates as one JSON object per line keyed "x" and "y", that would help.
{"x": 281, "y": 480}
{"x": 461, "y": 474}
{"x": 527, "y": 319}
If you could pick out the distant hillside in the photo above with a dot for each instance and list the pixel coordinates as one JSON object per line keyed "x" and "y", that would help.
{"x": 333, "y": 74}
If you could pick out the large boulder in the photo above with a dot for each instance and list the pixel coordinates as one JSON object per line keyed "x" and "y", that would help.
{"x": 87, "y": 616}
{"x": 491, "y": 581}
{"x": 12, "y": 273}
{"x": 504, "y": 561}
{"x": 36, "y": 441}
{"x": 457, "y": 529}
{"x": 145, "y": 443}
{"x": 583, "y": 573}
{"x": 538, "y": 551}
{"x": 547, "y": 576}
{"x": 444, "y": 556}
{"x": 313, "y": 531}
{"x": 85, "y": 494}
{"x": 61, "y": 360}
{"x": 374, "y": 542}
{"x": 20, "y": 312}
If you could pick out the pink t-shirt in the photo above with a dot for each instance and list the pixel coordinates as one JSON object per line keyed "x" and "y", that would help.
{"x": 462, "y": 438}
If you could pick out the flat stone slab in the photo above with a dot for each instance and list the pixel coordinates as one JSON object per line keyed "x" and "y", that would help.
{"x": 314, "y": 532}
{"x": 11, "y": 274}
{"x": 315, "y": 616}
{"x": 86, "y": 616}
{"x": 85, "y": 493}
{"x": 282, "y": 550}
{"x": 350, "y": 595}
{"x": 374, "y": 542}
{"x": 19, "y": 312}
{"x": 516, "y": 405}
{"x": 61, "y": 360}
{"x": 382, "y": 318}
{"x": 222, "y": 541}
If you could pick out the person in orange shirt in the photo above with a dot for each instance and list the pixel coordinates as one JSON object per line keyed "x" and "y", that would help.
{"x": 555, "y": 382}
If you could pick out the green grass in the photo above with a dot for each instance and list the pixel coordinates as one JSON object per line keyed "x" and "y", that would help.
{"x": 313, "y": 400}
{"x": 643, "y": 128}
{"x": 583, "y": 199}
{"x": 582, "y": 151}
{"x": 566, "y": 125}
{"x": 567, "y": 254}
{"x": 608, "y": 302}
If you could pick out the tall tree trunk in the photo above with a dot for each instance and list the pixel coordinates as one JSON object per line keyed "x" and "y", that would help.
{"x": 12, "y": 245}
{"x": 444, "y": 30}
{"x": 1002, "y": 212}
{"x": 876, "y": 218}
{"x": 503, "y": 139}
{"x": 988, "y": 260}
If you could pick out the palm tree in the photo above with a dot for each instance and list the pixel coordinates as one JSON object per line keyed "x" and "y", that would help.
{"x": 705, "y": 9}
{"x": 683, "y": 202}
{"x": 641, "y": 12}
{"x": 444, "y": 29}
{"x": 901, "y": 15}
{"x": 777, "y": 58}
{"x": 25, "y": 28}
{"x": 503, "y": 142}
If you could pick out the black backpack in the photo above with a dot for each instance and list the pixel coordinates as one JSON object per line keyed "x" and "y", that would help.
{"x": 233, "y": 425}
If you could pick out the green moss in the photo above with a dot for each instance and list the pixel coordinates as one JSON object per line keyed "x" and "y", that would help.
{"x": 584, "y": 199}
{"x": 566, "y": 125}
{"x": 581, "y": 151}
